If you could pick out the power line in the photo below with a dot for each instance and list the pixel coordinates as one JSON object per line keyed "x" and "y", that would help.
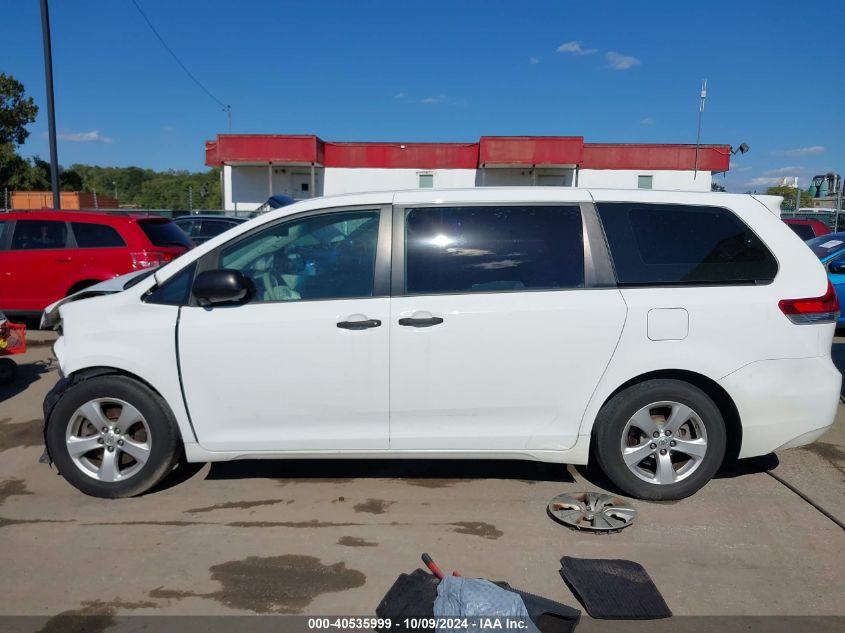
{"x": 226, "y": 108}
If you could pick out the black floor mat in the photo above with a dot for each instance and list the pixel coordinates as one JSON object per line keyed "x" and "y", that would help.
{"x": 613, "y": 589}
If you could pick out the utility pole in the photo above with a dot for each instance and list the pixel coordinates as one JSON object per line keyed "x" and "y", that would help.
{"x": 228, "y": 110}
{"x": 702, "y": 98}
{"x": 51, "y": 109}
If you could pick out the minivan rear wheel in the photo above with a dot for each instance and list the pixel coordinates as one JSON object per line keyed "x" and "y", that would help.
{"x": 111, "y": 436}
{"x": 660, "y": 439}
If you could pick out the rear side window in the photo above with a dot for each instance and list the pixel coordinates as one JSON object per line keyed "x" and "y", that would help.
{"x": 164, "y": 233}
{"x": 39, "y": 234}
{"x": 90, "y": 235}
{"x": 679, "y": 244}
{"x": 804, "y": 231}
{"x": 3, "y": 225}
{"x": 493, "y": 249}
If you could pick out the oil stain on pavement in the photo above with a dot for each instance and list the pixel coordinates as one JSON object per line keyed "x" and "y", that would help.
{"x": 12, "y": 488}
{"x": 477, "y": 528}
{"x": 21, "y": 434}
{"x": 354, "y": 541}
{"x": 241, "y": 505}
{"x": 275, "y": 584}
{"x": 373, "y": 506}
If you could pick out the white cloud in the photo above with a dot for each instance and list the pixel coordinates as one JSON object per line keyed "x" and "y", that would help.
{"x": 84, "y": 137}
{"x": 618, "y": 61}
{"x": 574, "y": 47}
{"x": 647, "y": 121}
{"x": 533, "y": 60}
{"x": 435, "y": 99}
{"x": 400, "y": 95}
{"x": 812, "y": 150}
{"x": 785, "y": 171}
{"x": 763, "y": 182}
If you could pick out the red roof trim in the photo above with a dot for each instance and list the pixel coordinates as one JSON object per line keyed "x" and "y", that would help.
{"x": 655, "y": 156}
{"x": 531, "y": 150}
{"x": 403, "y": 155}
{"x": 489, "y": 151}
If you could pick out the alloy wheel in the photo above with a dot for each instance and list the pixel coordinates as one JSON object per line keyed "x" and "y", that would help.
{"x": 664, "y": 442}
{"x": 108, "y": 439}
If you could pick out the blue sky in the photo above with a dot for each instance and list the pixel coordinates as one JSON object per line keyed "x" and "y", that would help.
{"x": 438, "y": 71}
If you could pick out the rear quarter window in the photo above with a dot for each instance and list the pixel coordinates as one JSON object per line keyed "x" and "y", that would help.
{"x": 681, "y": 244}
{"x": 164, "y": 233}
{"x": 90, "y": 235}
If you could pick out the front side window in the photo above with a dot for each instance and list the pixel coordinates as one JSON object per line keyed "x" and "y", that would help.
{"x": 329, "y": 256}
{"x": 210, "y": 228}
{"x": 493, "y": 249}
{"x": 39, "y": 234}
{"x": 90, "y": 235}
{"x": 681, "y": 244}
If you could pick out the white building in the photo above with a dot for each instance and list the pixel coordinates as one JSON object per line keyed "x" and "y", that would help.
{"x": 257, "y": 166}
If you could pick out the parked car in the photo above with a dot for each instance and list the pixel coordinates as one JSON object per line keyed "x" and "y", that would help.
{"x": 807, "y": 229}
{"x": 830, "y": 249}
{"x": 47, "y": 255}
{"x": 275, "y": 202}
{"x": 202, "y": 227}
{"x": 657, "y": 331}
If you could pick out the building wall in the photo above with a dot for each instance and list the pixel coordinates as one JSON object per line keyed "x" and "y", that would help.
{"x": 247, "y": 187}
{"x": 344, "y": 180}
{"x": 665, "y": 179}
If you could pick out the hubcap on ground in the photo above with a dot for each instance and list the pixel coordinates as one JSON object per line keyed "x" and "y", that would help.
{"x": 664, "y": 442}
{"x": 592, "y": 511}
{"x": 108, "y": 439}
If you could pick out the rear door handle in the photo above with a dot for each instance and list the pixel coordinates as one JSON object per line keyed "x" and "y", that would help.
{"x": 359, "y": 325}
{"x": 423, "y": 322}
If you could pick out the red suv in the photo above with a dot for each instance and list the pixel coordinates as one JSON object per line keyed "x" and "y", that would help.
{"x": 47, "y": 255}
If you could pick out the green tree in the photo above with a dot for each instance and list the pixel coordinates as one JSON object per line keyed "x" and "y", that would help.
{"x": 715, "y": 186}
{"x": 788, "y": 194}
{"x": 16, "y": 111}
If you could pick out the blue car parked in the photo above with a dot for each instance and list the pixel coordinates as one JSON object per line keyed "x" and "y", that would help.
{"x": 830, "y": 249}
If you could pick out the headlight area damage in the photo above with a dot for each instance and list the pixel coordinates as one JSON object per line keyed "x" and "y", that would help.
{"x": 50, "y": 318}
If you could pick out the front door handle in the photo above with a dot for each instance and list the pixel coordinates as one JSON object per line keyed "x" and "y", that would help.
{"x": 359, "y": 325}
{"x": 422, "y": 322}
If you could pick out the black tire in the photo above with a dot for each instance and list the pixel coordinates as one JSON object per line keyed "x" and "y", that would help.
{"x": 165, "y": 444}
{"x": 613, "y": 419}
{"x": 8, "y": 371}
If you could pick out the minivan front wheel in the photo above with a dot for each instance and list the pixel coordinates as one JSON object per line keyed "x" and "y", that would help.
{"x": 111, "y": 436}
{"x": 660, "y": 439}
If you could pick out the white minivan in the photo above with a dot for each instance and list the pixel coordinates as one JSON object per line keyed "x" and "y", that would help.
{"x": 651, "y": 333}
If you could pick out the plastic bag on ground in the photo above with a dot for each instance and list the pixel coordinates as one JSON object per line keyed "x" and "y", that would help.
{"x": 480, "y": 600}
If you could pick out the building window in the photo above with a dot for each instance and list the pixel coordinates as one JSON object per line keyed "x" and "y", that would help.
{"x": 644, "y": 182}
{"x": 426, "y": 181}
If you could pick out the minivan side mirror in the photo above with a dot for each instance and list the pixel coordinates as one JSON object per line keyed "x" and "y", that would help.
{"x": 837, "y": 266}
{"x": 221, "y": 286}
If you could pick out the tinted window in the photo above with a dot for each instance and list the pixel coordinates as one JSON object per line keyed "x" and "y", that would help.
{"x": 164, "y": 233}
{"x": 90, "y": 235}
{"x": 489, "y": 249}
{"x": 191, "y": 227}
{"x": 328, "y": 256}
{"x": 176, "y": 290}
{"x": 38, "y": 234}
{"x": 826, "y": 245}
{"x": 804, "y": 231}
{"x": 662, "y": 243}
{"x": 210, "y": 228}
{"x": 3, "y": 225}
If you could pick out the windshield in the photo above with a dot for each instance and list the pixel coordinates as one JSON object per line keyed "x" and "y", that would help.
{"x": 827, "y": 245}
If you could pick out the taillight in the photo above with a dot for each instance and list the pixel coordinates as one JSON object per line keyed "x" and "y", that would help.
{"x": 824, "y": 309}
{"x": 149, "y": 259}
